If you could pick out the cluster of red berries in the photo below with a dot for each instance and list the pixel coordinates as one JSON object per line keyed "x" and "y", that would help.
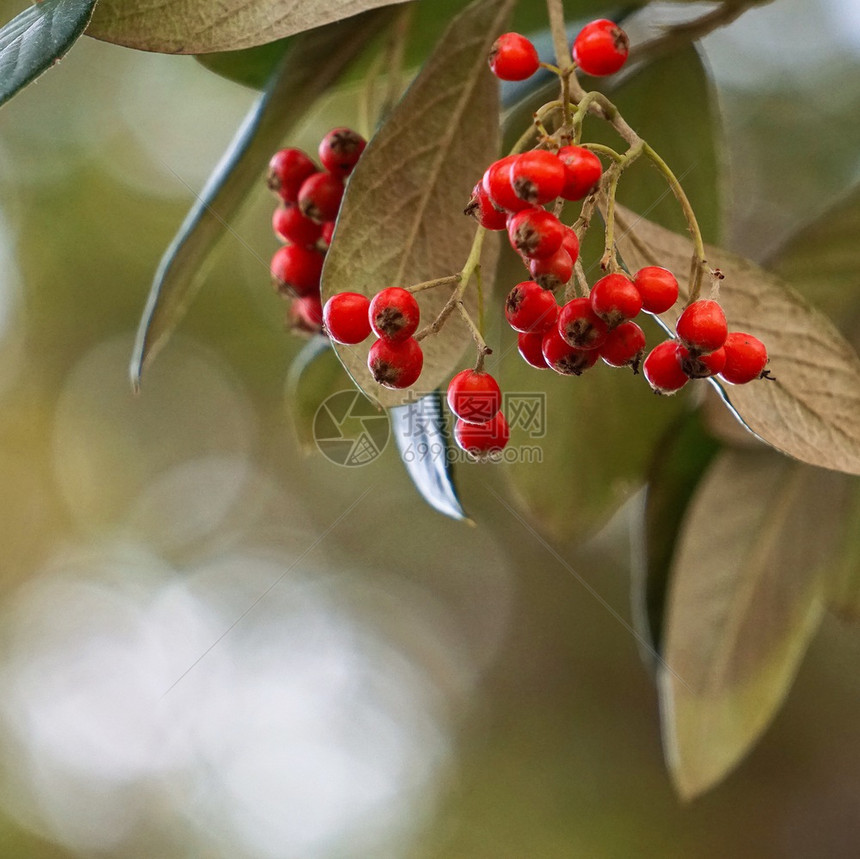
{"x": 304, "y": 220}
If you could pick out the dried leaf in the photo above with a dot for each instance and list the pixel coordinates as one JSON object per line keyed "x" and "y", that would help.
{"x": 747, "y": 593}
{"x": 199, "y": 26}
{"x": 401, "y": 221}
{"x": 812, "y": 409}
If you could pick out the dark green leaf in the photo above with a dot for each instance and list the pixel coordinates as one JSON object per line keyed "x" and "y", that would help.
{"x": 401, "y": 221}
{"x": 314, "y": 61}
{"x": 36, "y": 39}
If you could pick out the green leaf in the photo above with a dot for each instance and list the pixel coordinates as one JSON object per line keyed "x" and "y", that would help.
{"x": 252, "y": 67}
{"x": 195, "y": 27}
{"x": 680, "y": 461}
{"x": 812, "y": 409}
{"x": 401, "y": 221}
{"x": 36, "y": 39}
{"x": 313, "y": 62}
{"x": 747, "y": 593}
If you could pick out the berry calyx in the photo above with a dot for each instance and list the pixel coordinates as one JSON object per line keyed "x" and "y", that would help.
{"x": 580, "y": 326}
{"x": 290, "y": 225}
{"x": 614, "y": 299}
{"x": 535, "y": 233}
{"x": 395, "y": 364}
{"x": 482, "y": 440}
{"x": 663, "y": 370}
{"x": 624, "y": 346}
{"x": 530, "y": 346}
{"x": 658, "y": 288}
{"x": 474, "y": 396}
{"x": 288, "y": 168}
{"x": 528, "y": 307}
{"x": 340, "y": 150}
{"x": 746, "y": 358}
{"x": 564, "y": 358}
{"x": 394, "y": 314}
{"x": 552, "y": 272}
{"x": 601, "y": 48}
{"x": 697, "y": 366}
{"x": 319, "y": 197}
{"x": 481, "y": 208}
{"x": 537, "y": 176}
{"x": 583, "y": 171}
{"x": 702, "y": 326}
{"x": 513, "y": 57}
{"x": 296, "y": 270}
{"x": 345, "y": 317}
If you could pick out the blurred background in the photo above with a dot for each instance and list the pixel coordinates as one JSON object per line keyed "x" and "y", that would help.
{"x": 215, "y": 643}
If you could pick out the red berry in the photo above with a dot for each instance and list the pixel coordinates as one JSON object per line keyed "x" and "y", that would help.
{"x": 497, "y": 183}
{"x": 702, "y": 326}
{"x": 583, "y": 171}
{"x": 697, "y": 366}
{"x": 530, "y": 345}
{"x": 663, "y": 370}
{"x": 601, "y": 48}
{"x": 327, "y": 233}
{"x": 564, "y": 358}
{"x": 537, "y": 176}
{"x": 287, "y": 170}
{"x": 513, "y": 57}
{"x": 658, "y": 288}
{"x": 296, "y": 270}
{"x": 340, "y": 150}
{"x": 615, "y": 298}
{"x": 319, "y": 197}
{"x": 396, "y": 364}
{"x": 481, "y": 440}
{"x": 624, "y": 346}
{"x": 580, "y": 326}
{"x": 530, "y": 308}
{"x": 291, "y": 225}
{"x": 552, "y": 272}
{"x": 345, "y": 317}
{"x": 535, "y": 233}
{"x": 306, "y": 314}
{"x": 474, "y": 396}
{"x": 481, "y": 208}
{"x": 746, "y": 358}
{"x": 570, "y": 243}
{"x": 394, "y": 314}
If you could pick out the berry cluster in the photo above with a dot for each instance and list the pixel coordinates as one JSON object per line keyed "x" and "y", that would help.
{"x": 304, "y": 220}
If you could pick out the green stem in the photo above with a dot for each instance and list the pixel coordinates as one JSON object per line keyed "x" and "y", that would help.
{"x": 432, "y": 284}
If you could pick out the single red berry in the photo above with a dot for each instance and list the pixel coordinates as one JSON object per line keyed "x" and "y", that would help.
{"x": 552, "y": 272}
{"x": 394, "y": 314}
{"x": 287, "y": 170}
{"x": 530, "y": 345}
{"x": 319, "y": 197}
{"x": 663, "y": 370}
{"x": 513, "y": 57}
{"x": 746, "y": 358}
{"x": 537, "y": 176}
{"x": 481, "y": 208}
{"x": 564, "y": 358}
{"x": 658, "y": 288}
{"x": 624, "y": 346}
{"x": 583, "y": 171}
{"x": 528, "y": 307}
{"x": 474, "y": 396}
{"x": 327, "y": 231}
{"x": 535, "y": 233}
{"x": 580, "y": 326}
{"x": 601, "y": 48}
{"x": 697, "y": 366}
{"x": 497, "y": 183}
{"x": 615, "y": 298}
{"x": 702, "y": 326}
{"x": 395, "y": 364}
{"x": 482, "y": 440}
{"x": 296, "y": 270}
{"x": 345, "y": 317}
{"x": 340, "y": 150}
{"x": 570, "y": 243}
{"x": 291, "y": 225}
{"x": 306, "y": 314}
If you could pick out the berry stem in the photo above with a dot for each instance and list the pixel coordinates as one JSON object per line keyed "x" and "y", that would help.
{"x": 432, "y": 284}
{"x": 609, "y": 261}
{"x": 483, "y": 349}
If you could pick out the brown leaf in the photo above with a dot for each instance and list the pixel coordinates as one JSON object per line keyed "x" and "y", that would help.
{"x": 812, "y": 409}
{"x": 401, "y": 221}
